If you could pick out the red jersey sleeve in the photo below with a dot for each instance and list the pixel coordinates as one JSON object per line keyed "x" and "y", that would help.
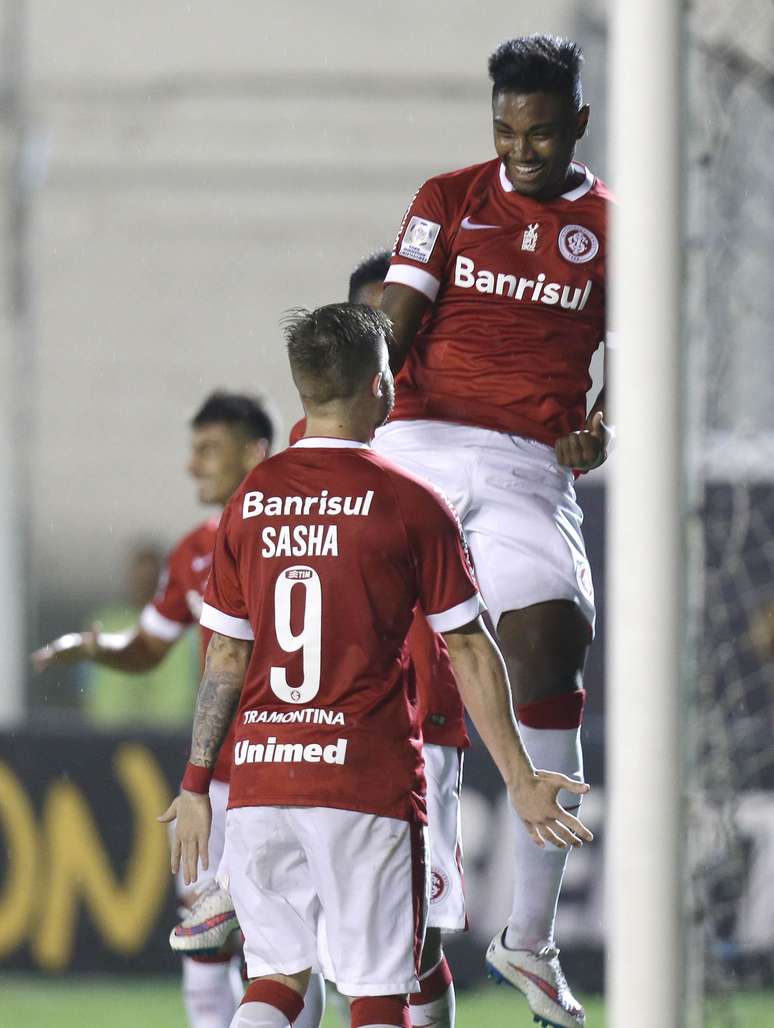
{"x": 448, "y": 594}
{"x": 224, "y": 609}
{"x": 422, "y": 245}
{"x": 168, "y": 614}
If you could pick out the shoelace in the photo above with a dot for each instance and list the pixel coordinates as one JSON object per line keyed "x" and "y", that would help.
{"x": 547, "y": 953}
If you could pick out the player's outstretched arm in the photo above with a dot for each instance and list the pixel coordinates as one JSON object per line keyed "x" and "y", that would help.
{"x": 216, "y": 704}
{"x": 404, "y": 307}
{"x": 134, "y": 650}
{"x": 485, "y": 691}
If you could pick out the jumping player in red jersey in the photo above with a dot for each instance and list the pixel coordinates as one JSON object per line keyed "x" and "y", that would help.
{"x": 319, "y": 562}
{"x": 231, "y": 433}
{"x": 497, "y": 296}
{"x": 445, "y": 739}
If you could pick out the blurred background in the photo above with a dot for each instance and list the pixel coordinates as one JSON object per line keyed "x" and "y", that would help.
{"x": 174, "y": 177}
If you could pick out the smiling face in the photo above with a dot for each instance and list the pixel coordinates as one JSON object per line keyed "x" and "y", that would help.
{"x": 535, "y": 136}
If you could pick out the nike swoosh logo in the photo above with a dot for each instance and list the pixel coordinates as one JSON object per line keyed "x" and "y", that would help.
{"x": 467, "y": 223}
{"x": 541, "y": 983}
{"x": 204, "y": 926}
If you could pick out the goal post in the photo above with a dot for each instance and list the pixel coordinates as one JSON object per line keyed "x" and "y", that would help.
{"x": 16, "y": 363}
{"x": 644, "y": 782}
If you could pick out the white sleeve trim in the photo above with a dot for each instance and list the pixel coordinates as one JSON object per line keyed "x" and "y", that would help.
{"x": 417, "y": 278}
{"x": 458, "y": 616}
{"x": 226, "y": 624}
{"x": 157, "y": 625}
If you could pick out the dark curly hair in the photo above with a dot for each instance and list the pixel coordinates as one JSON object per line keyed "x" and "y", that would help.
{"x": 238, "y": 410}
{"x": 538, "y": 64}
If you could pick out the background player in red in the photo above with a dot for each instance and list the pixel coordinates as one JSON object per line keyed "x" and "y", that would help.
{"x": 320, "y": 560}
{"x": 445, "y": 738}
{"x": 231, "y": 433}
{"x": 497, "y": 296}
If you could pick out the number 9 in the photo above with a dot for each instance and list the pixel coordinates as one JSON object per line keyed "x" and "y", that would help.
{"x": 308, "y": 639}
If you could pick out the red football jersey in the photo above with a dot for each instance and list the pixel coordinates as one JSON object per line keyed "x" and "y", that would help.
{"x": 518, "y": 291}
{"x": 442, "y": 714}
{"x": 321, "y": 558}
{"x": 178, "y": 604}
{"x": 297, "y": 432}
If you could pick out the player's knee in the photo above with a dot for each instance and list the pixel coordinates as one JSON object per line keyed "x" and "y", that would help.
{"x": 297, "y": 982}
{"x": 545, "y": 650}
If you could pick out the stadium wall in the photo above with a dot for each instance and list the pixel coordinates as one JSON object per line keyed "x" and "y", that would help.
{"x": 193, "y": 174}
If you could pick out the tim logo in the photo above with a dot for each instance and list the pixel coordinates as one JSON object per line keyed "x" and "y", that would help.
{"x": 298, "y": 573}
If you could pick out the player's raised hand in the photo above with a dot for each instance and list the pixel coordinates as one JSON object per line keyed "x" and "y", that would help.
{"x": 67, "y": 649}
{"x": 534, "y": 800}
{"x": 587, "y": 449}
{"x": 191, "y": 834}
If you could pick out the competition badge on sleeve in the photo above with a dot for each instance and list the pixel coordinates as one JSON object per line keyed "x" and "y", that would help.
{"x": 419, "y": 239}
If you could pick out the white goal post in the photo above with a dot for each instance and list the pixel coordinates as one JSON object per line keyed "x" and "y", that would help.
{"x": 644, "y": 788}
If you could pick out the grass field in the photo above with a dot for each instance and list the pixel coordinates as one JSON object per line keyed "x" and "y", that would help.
{"x": 27, "y": 1002}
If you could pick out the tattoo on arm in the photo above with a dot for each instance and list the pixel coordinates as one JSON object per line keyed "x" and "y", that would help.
{"x": 218, "y": 696}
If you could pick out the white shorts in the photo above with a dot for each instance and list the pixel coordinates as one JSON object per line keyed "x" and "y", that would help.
{"x": 443, "y": 770}
{"x": 335, "y": 890}
{"x": 517, "y": 505}
{"x": 218, "y": 802}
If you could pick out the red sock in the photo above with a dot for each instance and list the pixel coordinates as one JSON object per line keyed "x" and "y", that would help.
{"x": 275, "y": 994}
{"x": 562, "y": 711}
{"x": 435, "y": 1002}
{"x": 381, "y": 1010}
{"x": 433, "y": 984}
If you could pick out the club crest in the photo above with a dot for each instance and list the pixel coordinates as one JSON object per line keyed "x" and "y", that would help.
{"x": 578, "y": 244}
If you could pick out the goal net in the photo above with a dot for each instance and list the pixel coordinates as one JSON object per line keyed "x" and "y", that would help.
{"x": 729, "y": 414}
